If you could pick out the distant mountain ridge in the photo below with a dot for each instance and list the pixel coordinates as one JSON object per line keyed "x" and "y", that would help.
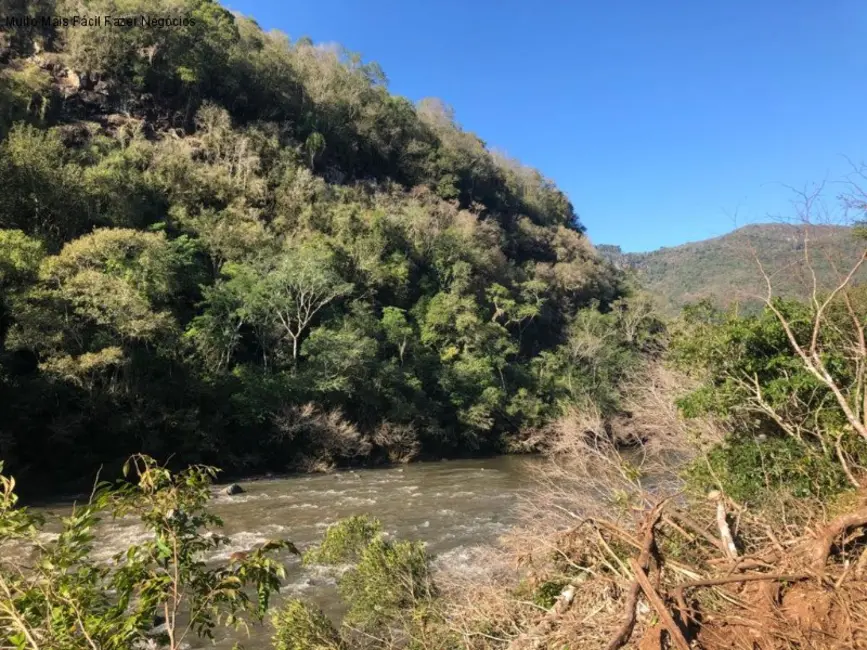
{"x": 724, "y": 270}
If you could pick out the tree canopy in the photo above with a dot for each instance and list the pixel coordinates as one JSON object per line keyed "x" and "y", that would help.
{"x": 206, "y": 228}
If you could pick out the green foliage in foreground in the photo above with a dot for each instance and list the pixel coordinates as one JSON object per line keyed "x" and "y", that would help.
{"x": 749, "y": 466}
{"x": 345, "y": 541}
{"x": 388, "y": 590}
{"x": 299, "y": 626}
{"x": 390, "y": 579}
{"x": 57, "y": 596}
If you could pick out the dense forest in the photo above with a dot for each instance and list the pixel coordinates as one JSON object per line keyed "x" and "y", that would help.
{"x": 225, "y": 246}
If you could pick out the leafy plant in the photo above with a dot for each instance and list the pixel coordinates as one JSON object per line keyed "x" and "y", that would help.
{"x": 388, "y": 587}
{"x": 749, "y": 467}
{"x": 64, "y": 599}
{"x": 344, "y": 541}
{"x": 298, "y": 626}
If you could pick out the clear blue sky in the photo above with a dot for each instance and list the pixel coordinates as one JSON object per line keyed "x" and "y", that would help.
{"x": 660, "y": 119}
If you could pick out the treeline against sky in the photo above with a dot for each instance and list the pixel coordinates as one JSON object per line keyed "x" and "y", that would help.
{"x": 224, "y": 245}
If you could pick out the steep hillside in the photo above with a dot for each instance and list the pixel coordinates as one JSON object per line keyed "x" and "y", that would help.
{"x": 221, "y": 245}
{"x": 724, "y": 269}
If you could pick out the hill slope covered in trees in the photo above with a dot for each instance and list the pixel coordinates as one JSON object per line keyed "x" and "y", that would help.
{"x": 724, "y": 270}
{"x": 228, "y": 246}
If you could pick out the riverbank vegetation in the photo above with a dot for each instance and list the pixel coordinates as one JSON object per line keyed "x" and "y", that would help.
{"x": 721, "y": 506}
{"x": 54, "y": 594}
{"x": 739, "y": 523}
{"x": 222, "y": 247}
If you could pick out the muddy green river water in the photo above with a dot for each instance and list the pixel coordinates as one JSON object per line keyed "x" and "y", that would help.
{"x": 453, "y": 506}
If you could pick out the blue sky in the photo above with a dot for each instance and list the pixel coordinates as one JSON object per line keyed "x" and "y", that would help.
{"x": 664, "y": 121}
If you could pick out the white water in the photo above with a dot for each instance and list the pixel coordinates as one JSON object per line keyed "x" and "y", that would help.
{"x": 450, "y": 505}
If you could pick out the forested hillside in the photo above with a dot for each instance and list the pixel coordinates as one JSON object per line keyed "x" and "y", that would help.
{"x": 223, "y": 248}
{"x": 222, "y": 245}
{"x": 724, "y": 270}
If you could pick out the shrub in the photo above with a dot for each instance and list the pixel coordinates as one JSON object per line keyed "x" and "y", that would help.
{"x": 63, "y": 598}
{"x": 298, "y": 626}
{"x": 344, "y": 541}
{"x": 320, "y": 438}
{"x": 388, "y": 590}
{"x": 400, "y": 441}
{"x": 390, "y": 579}
{"x": 747, "y": 467}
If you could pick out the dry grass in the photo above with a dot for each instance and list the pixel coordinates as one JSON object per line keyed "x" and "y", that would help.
{"x": 612, "y": 554}
{"x": 585, "y": 488}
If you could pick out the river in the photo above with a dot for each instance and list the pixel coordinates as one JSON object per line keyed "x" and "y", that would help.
{"x": 451, "y": 505}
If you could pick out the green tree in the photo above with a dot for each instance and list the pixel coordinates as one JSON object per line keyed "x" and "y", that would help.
{"x": 220, "y": 226}
{"x": 303, "y": 281}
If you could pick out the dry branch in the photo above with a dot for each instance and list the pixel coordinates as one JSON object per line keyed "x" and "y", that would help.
{"x": 625, "y": 631}
{"x": 743, "y": 577}
{"x": 725, "y": 533}
{"x": 656, "y": 602}
{"x": 829, "y": 534}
